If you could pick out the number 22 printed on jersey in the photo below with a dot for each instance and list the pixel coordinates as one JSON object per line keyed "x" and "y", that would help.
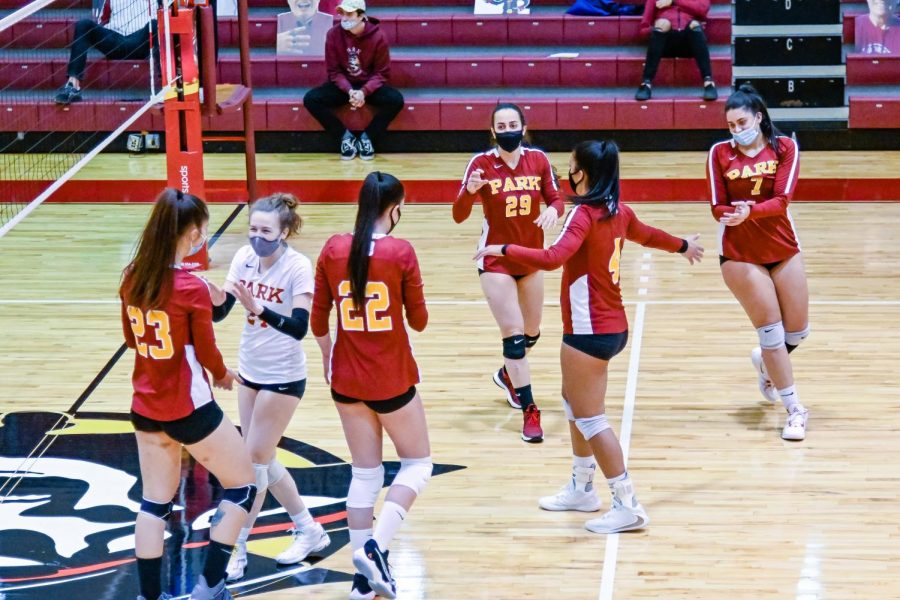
{"x": 158, "y": 320}
{"x": 377, "y": 301}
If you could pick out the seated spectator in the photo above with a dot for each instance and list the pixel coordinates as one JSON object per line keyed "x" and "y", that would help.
{"x": 675, "y": 30}
{"x": 879, "y": 31}
{"x": 121, "y": 32}
{"x": 358, "y": 62}
{"x": 302, "y": 31}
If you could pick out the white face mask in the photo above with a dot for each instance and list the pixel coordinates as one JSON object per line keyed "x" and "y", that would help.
{"x": 195, "y": 249}
{"x": 747, "y": 136}
{"x": 350, "y": 23}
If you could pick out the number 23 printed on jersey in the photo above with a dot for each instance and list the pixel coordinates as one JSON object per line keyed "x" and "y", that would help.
{"x": 158, "y": 320}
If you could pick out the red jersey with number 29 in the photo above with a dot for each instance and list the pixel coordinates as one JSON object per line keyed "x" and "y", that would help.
{"x": 769, "y": 180}
{"x": 372, "y": 358}
{"x": 173, "y": 345}
{"x": 589, "y": 248}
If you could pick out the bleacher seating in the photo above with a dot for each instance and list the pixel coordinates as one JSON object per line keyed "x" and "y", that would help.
{"x": 872, "y": 81}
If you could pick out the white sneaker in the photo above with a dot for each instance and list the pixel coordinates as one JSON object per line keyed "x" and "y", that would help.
{"x": 361, "y": 589}
{"x": 306, "y": 542}
{"x": 237, "y": 564}
{"x": 766, "y": 387}
{"x": 620, "y": 518}
{"x": 795, "y": 428}
{"x": 569, "y": 498}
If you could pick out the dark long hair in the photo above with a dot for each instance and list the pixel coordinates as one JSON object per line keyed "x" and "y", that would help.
{"x": 748, "y": 98}
{"x": 147, "y": 280}
{"x": 599, "y": 161}
{"x": 379, "y": 192}
{"x": 285, "y": 206}
{"x": 509, "y": 106}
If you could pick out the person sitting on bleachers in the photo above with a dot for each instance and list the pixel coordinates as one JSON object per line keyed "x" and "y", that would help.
{"x": 359, "y": 63}
{"x": 121, "y": 32}
{"x": 878, "y": 32}
{"x": 675, "y": 29}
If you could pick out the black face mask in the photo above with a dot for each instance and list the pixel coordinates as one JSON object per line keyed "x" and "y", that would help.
{"x": 572, "y": 180}
{"x": 393, "y": 222}
{"x": 509, "y": 140}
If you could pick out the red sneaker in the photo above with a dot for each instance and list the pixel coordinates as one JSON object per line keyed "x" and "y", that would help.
{"x": 502, "y": 381}
{"x": 531, "y": 429}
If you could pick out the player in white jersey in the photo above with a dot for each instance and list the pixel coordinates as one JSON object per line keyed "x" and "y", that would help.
{"x": 274, "y": 283}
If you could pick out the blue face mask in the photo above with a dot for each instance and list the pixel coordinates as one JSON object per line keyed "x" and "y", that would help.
{"x": 264, "y": 247}
{"x": 746, "y": 137}
{"x": 195, "y": 249}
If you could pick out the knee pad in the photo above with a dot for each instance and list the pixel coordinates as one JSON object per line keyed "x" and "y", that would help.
{"x": 568, "y": 410}
{"x": 242, "y": 497}
{"x": 591, "y": 426}
{"x": 260, "y": 472}
{"x": 514, "y": 347}
{"x": 531, "y": 340}
{"x": 157, "y": 510}
{"x": 276, "y": 472}
{"x": 793, "y": 338}
{"x": 365, "y": 487}
{"x": 771, "y": 337}
{"x": 414, "y": 473}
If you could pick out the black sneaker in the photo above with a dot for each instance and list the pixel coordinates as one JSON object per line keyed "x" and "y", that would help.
{"x": 366, "y": 149}
{"x": 372, "y": 563}
{"x": 67, "y": 94}
{"x": 643, "y": 92}
{"x": 348, "y": 146}
{"x": 709, "y": 91}
{"x": 361, "y": 589}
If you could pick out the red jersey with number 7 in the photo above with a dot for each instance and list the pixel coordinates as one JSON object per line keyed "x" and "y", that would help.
{"x": 511, "y": 200}
{"x": 768, "y": 179}
{"x": 173, "y": 344}
{"x": 371, "y": 358}
{"x": 589, "y": 248}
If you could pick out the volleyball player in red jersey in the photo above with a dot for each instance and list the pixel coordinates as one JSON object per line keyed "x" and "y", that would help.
{"x": 595, "y": 328}
{"x": 370, "y": 278}
{"x": 511, "y": 181}
{"x": 167, "y": 320}
{"x": 752, "y": 178}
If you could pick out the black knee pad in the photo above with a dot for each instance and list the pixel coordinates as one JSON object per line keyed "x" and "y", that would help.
{"x": 242, "y": 496}
{"x": 514, "y": 347}
{"x": 531, "y": 340}
{"x": 156, "y": 509}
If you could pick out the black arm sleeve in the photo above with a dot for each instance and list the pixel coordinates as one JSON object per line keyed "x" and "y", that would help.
{"x": 295, "y": 326}
{"x": 221, "y": 311}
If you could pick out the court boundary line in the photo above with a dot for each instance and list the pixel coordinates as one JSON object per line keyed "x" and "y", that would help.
{"x": 445, "y": 302}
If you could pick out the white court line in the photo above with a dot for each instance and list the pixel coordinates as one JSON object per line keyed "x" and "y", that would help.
{"x": 607, "y": 578}
{"x": 445, "y": 302}
{"x": 57, "y": 582}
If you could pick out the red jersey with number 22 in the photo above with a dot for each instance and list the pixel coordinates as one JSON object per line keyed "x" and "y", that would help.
{"x": 372, "y": 358}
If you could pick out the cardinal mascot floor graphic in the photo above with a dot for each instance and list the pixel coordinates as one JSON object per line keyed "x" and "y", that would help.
{"x": 70, "y": 491}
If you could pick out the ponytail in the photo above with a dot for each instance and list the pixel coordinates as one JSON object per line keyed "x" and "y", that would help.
{"x": 599, "y": 162}
{"x": 379, "y": 192}
{"x": 748, "y": 98}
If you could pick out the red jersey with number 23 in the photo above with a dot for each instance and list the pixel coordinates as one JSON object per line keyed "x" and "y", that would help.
{"x": 372, "y": 358}
{"x": 174, "y": 345}
{"x": 769, "y": 180}
{"x": 589, "y": 248}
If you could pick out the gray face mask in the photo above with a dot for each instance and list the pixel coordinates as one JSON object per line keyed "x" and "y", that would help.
{"x": 195, "y": 249}
{"x": 264, "y": 247}
{"x": 746, "y": 137}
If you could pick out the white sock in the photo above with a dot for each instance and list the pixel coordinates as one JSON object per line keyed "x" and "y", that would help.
{"x": 583, "y": 468}
{"x": 389, "y": 520}
{"x": 790, "y": 399}
{"x": 242, "y": 536}
{"x": 359, "y": 537}
{"x": 303, "y": 520}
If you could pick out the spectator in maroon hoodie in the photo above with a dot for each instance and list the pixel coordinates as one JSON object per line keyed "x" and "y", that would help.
{"x": 358, "y": 61}
{"x": 675, "y": 29}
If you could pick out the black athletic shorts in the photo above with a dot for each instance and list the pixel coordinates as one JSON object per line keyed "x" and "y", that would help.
{"x": 293, "y": 388}
{"x": 516, "y": 277}
{"x": 191, "y": 429}
{"x": 768, "y": 266}
{"x": 382, "y": 407}
{"x": 599, "y": 345}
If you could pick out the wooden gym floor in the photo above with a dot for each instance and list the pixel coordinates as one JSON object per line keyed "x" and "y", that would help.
{"x": 736, "y": 512}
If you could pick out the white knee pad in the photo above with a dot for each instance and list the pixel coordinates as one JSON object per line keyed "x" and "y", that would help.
{"x": 365, "y": 487}
{"x": 276, "y": 472}
{"x": 795, "y": 337}
{"x": 591, "y": 426}
{"x": 414, "y": 473}
{"x": 568, "y": 410}
{"x": 771, "y": 337}
{"x": 262, "y": 477}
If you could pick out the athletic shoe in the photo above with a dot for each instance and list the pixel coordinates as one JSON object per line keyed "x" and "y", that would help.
{"x": 766, "y": 387}
{"x": 531, "y": 427}
{"x": 67, "y": 94}
{"x": 202, "y": 591}
{"x": 569, "y": 498}
{"x": 163, "y": 596}
{"x": 709, "y": 91}
{"x": 348, "y": 146}
{"x": 501, "y": 380}
{"x": 366, "y": 149}
{"x": 619, "y": 518}
{"x": 237, "y": 564}
{"x": 372, "y": 563}
{"x": 795, "y": 428}
{"x": 643, "y": 93}
{"x": 361, "y": 589}
{"x": 309, "y": 541}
